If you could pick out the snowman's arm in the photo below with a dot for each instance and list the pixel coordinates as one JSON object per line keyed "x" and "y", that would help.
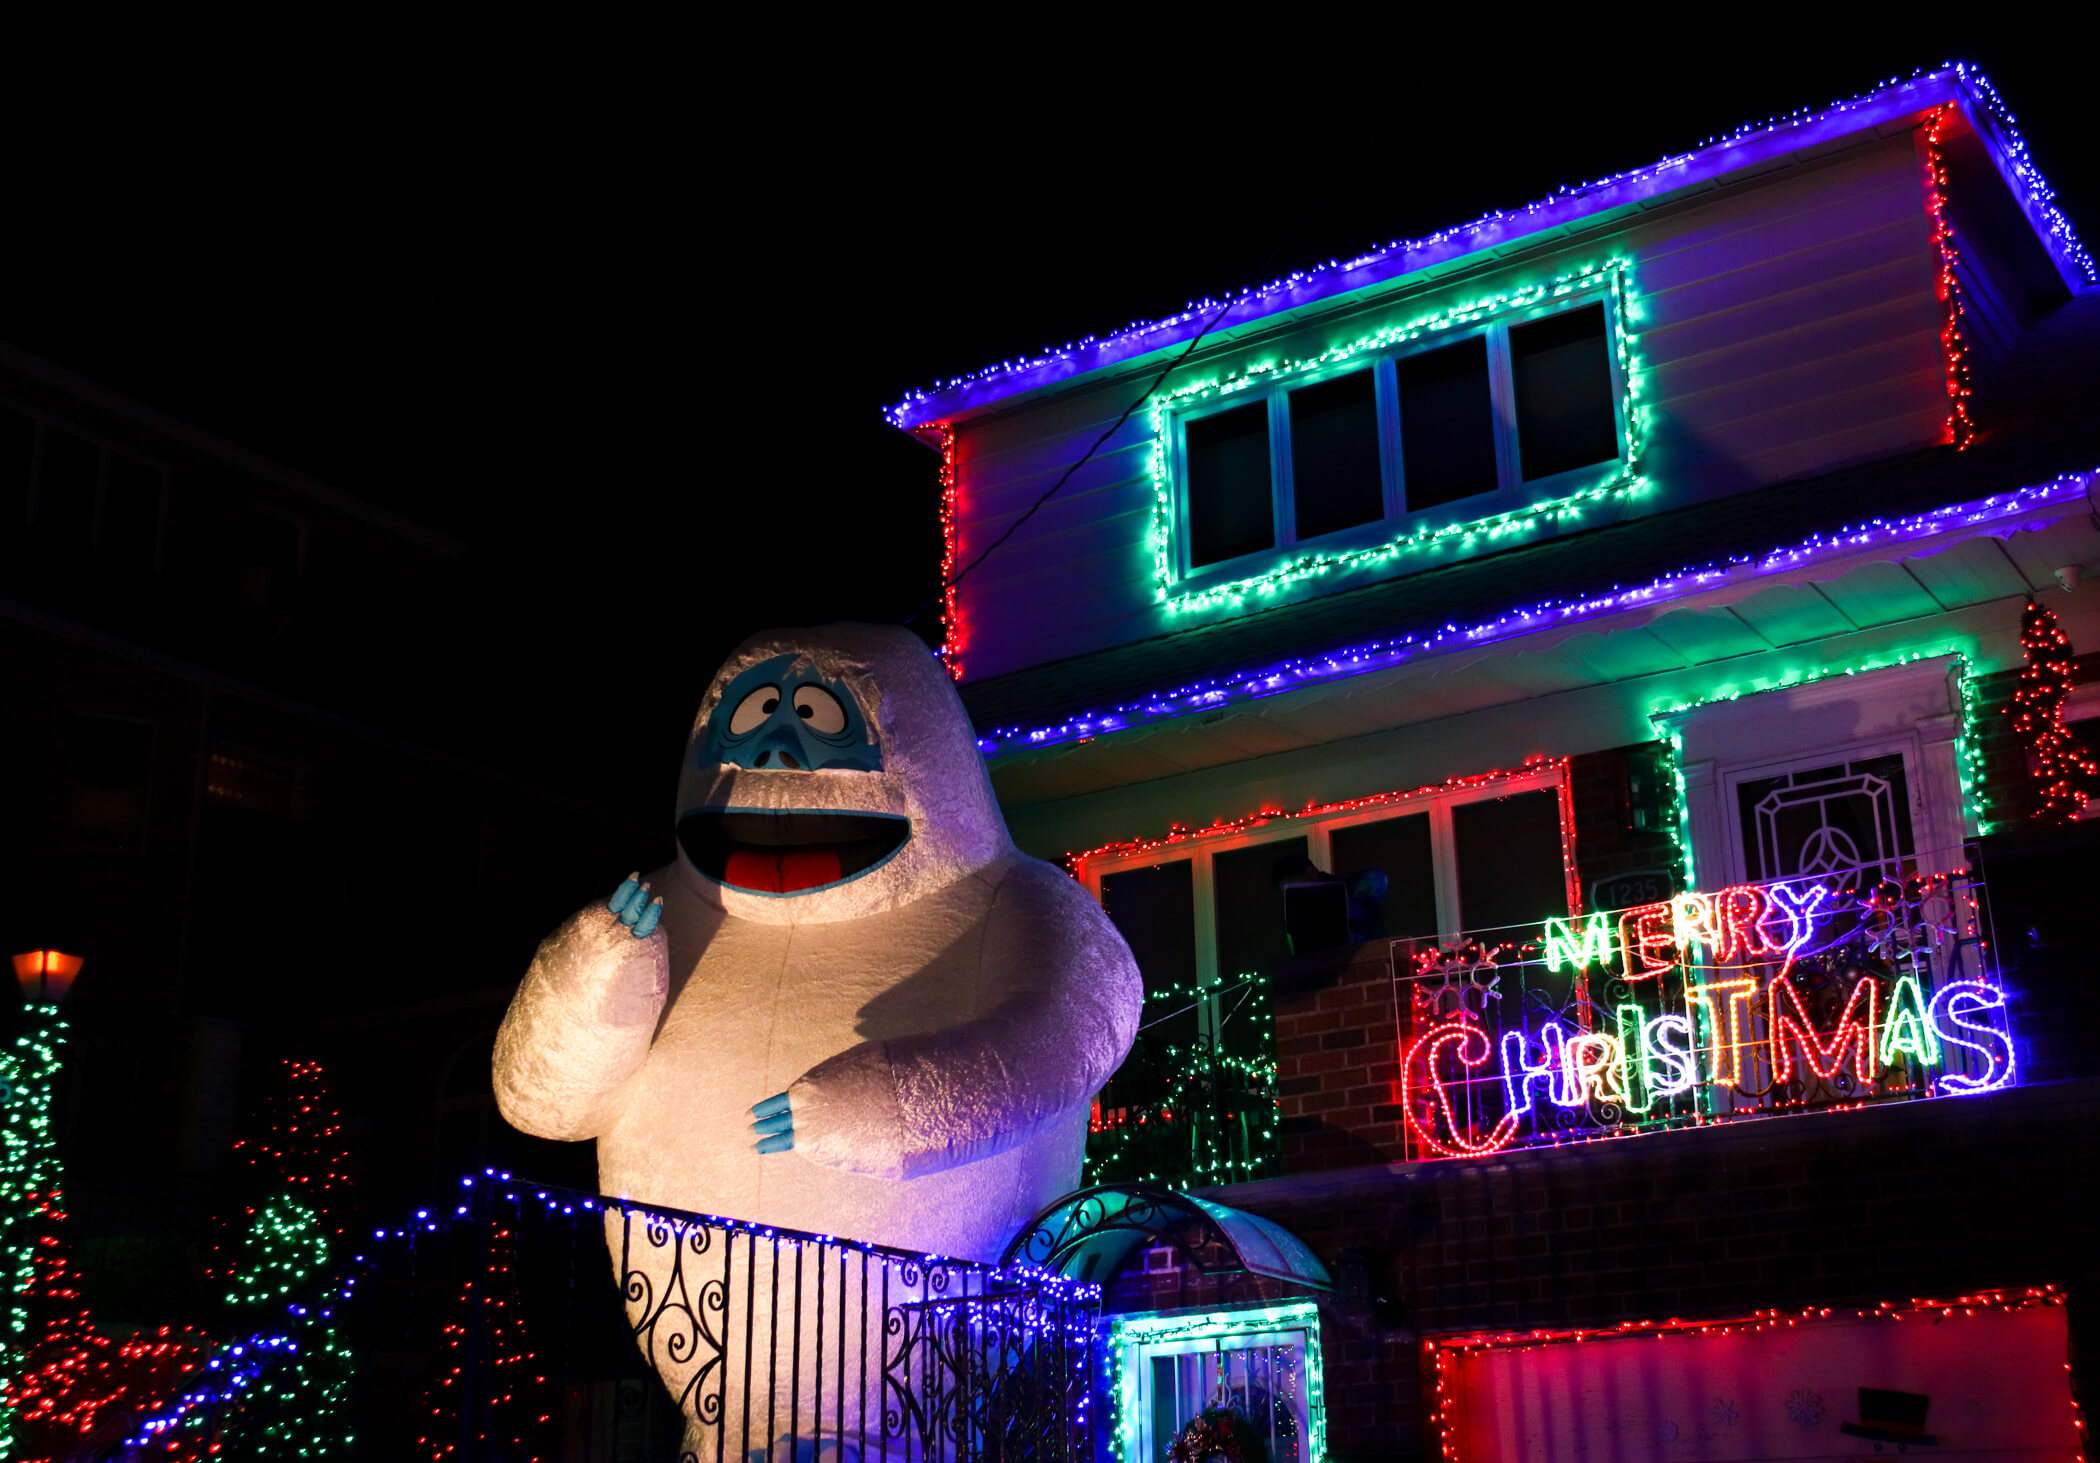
{"x": 580, "y": 1025}
{"x": 918, "y": 1104}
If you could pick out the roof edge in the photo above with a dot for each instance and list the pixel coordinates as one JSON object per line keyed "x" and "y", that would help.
{"x": 1753, "y": 146}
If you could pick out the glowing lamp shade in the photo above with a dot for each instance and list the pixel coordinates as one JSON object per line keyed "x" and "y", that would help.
{"x": 46, "y": 975}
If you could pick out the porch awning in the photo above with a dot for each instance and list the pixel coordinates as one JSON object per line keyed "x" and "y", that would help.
{"x": 1091, "y": 1234}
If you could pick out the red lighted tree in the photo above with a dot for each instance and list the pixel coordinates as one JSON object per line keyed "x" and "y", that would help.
{"x": 2062, "y": 771}
{"x": 491, "y": 1390}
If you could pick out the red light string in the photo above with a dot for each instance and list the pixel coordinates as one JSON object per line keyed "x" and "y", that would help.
{"x": 941, "y": 437}
{"x": 1961, "y": 431}
{"x": 1449, "y": 1352}
{"x": 1177, "y": 834}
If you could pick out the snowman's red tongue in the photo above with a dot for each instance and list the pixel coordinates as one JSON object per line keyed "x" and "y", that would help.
{"x": 783, "y": 871}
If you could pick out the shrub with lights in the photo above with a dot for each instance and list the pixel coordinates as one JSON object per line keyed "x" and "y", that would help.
{"x": 1187, "y": 1109}
{"x": 2063, "y": 774}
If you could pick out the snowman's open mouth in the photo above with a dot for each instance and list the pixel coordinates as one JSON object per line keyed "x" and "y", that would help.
{"x": 764, "y": 852}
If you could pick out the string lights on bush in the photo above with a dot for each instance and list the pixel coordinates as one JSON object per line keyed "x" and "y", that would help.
{"x": 1213, "y": 1121}
{"x": 2061, "y": 771}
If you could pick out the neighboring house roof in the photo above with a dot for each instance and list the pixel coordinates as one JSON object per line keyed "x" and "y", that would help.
{"x": 2031, "y": 463}
{"x": 1753, "y": 148}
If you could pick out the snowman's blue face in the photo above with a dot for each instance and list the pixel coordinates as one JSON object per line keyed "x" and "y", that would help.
{"x": 775, "y": 718}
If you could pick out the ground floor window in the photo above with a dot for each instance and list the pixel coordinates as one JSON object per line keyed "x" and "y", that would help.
{"x": 1474, "y": 854}
{"x": 1260, "y": 1363}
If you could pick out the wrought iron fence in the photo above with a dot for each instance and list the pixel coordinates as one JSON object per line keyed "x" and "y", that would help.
{"x": 1835, "y": 990}
{"x": 523, "y": 1323}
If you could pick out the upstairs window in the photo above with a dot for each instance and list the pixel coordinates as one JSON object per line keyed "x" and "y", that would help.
{"x": 1230, "y": 508}
{"x": 1561, "y": 369}
{"x": 80, "y": 495}
{"x": 1337, "y": 478}
{"x": 1438, "y": 429}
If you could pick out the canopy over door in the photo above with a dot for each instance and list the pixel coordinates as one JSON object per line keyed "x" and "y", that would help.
{"x": 1091, "y": 1234}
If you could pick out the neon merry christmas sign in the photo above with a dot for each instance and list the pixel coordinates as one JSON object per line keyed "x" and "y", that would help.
{"x": 1800, "y": 993}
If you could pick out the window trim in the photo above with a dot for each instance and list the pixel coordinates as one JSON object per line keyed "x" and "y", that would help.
{"x": 1915, "y": 705}
{"x": 1139, "y": 1336}
{"x": 43, "y": 425}
{"x": 1317, "y": 827}
{"x": 1513, "y": 492}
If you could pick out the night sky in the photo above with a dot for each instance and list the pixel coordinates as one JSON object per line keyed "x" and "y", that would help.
{"x": 621, "y": 313}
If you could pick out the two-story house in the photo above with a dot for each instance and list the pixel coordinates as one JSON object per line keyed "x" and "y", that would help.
{"x": 1634, "y": 581}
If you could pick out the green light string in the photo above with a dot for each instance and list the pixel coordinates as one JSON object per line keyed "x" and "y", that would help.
{"x": 1610, "y": 276}
{"x": 1968, "y": 746}
{"x": 29, "y": 1168}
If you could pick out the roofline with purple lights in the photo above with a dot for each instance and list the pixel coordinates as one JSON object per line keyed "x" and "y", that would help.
{"x": 1748, "y": 147}
{"x": 1998, "y": 514}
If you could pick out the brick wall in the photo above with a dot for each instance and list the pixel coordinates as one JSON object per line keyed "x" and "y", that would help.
{"x": 1338, "y": 1069}
{"x": 1909, "y": 1200}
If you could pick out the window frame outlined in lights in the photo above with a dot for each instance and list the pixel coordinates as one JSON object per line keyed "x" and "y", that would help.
{"x": 1272, "y": 388}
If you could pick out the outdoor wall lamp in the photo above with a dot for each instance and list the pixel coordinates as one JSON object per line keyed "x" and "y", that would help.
{"x": 46, "y": 975}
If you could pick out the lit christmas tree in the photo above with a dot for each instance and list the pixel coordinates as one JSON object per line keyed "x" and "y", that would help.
{"x": 2062, "y": 771}
{"x": 68, "y": 1386}
{"x": 284, "y": 1239}
{"x": 28, "y": 1171}
{"x": 517, "y": 1408}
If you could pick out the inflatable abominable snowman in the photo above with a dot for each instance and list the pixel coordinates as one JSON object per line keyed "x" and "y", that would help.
{"x": 848, "y": 1006}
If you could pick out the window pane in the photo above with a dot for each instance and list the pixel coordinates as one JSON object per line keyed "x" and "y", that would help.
{"x": 1447, "y": 424}
{"x": 1250, "y": 904}
{"x": 17, "y": 446}
{"x": 1825, "y": 820}
{"x": 1334, "y": 455}
{"x": 1230, "y": 507}
{"x": 1399, "y": 846}
{"x": 1509, "y": 866}
{"x": 130, "y": 513}
{"x": 1562, "y": 369}
{"x": 65, "y": 498}
{"x": 1155, "y": 911}
{"x": 106, "y": 801}
{"x": 263, "y": 551}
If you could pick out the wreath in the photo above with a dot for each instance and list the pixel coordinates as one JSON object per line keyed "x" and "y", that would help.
{"x": 1218, "y": 1432}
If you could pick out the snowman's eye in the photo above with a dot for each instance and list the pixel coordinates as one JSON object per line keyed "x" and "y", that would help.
{"x": 820, "y": 709}
{"x": 753, "y": 710}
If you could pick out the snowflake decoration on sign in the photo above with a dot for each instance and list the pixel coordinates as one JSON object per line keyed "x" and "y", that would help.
{"x": 1666, "y": 1431}
{"x": 1454, "y": 975}
{"x": 1723, "y": 1412}
{"x": 1804, "y": 1407}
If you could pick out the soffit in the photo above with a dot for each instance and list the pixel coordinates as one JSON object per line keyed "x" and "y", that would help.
{"x": 1725, "y": 622}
